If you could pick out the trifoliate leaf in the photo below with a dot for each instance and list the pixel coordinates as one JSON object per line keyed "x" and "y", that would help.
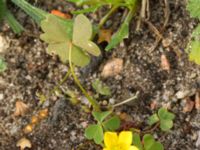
{"x": 82, "y": 34}
{"x": 164, "y": 114}
{"x": 94, "y": 132}
{"x": 58, "y": 34}
{"x": 100, "y": 116}
{"x": 166, "y": 119}
{"x": 153, "y": 119}
{"x": 193, "y": 7}
{"x": 100, "y": 88}
{"x": 112, "y": 124}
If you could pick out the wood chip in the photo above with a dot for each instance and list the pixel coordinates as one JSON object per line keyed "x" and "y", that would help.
{"x": 197, "y": 100}
{"x": 165, "y": 65}
{"x": 153, "y": 105}
{"x": 189, "y": 105}
{"x": 24, "y": 143}
{"x": 112, "y": 68}
{"x": 20, "y": 108}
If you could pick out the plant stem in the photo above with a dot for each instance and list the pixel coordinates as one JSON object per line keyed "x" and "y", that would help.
{"x": 126, "y": 101}
{"x": 105, "y": 18}
{"x": 61, "y": 82}
{"x": 92, "y": 101}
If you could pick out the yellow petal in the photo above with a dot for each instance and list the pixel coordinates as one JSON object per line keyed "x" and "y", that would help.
{"x": 125, "y": 137}
{"x": 105, "y": 149}
{"x": 133, "y": 148}
{"x": 110, "y": 139}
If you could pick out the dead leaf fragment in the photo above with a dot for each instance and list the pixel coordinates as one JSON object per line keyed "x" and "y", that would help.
{"x": 24, "y": 143}
{"x": 188, "y": 106}
{"x": 20, "y": 108}
{"x": 197, "y": 100}
{"x": 105, "y": 35}
{"x": 61, "y": 14}
{"x": 112, "y": 68}
{"x": 165, "y": 65}
{"x": 153, "y": 105}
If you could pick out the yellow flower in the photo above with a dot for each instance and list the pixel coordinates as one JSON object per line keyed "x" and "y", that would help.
{"x": 122, "y": 142}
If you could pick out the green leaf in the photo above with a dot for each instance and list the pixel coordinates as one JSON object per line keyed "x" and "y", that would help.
{"x": 148, "y": 141}
{"x": 194, "y": 52}
{"x": 153, "y": 119}
{"x": 2, "y": 9}
{"x": 100, "y": 116}
{"x": 94, "y": 132}
{"x": 13, "y": 23}
{"x": 196, "y": 32}
{"x": 37, "y": 14}
{"x": 58, "y": 34}
{"x": 166, "y": 119}
{"x": 165, "y": 115}
{"x": 86, "y": 10}
{"x": 82, "y": 34}
{"x": 100, "y": 88}
{"x": 112, "y": 124}
{"x": 166, "y": 125}
{"x": 122, "y": 33}
{"x": 151, "y": 144}
{"x": 193, "y": 7}
{"x": 137, "y": 142}
{"x": 3, "y": 65}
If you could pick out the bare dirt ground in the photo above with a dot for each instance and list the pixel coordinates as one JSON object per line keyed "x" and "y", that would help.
{"x": 31, "y": 70}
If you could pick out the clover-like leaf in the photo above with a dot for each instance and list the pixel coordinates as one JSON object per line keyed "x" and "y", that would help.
{"x": 101, "y": 88}
{"x": 94, "y": 132}
{"x": 137, "y": 141}
{"x": 151, "y": 144}
{"x": 82, "y": 34}
{"x": 166, "y": 119}
{"x": 58, "y": 34}
{"x": 153, "y": 119}
{"x": 112, "y": 124}
{"x": 165, "y": 115}
{"x": 100, "y": 116}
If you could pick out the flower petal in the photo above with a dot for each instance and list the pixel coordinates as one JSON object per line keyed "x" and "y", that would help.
{"x": 125, "y": 137}
{"x": 133, "y": 148}
{"x": 110, "y": 139}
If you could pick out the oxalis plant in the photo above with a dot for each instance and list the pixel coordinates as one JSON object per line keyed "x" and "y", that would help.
{"x": 72, "y": 41}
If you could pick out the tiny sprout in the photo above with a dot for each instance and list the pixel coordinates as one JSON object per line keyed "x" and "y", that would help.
{"x": 43, "y": 113}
